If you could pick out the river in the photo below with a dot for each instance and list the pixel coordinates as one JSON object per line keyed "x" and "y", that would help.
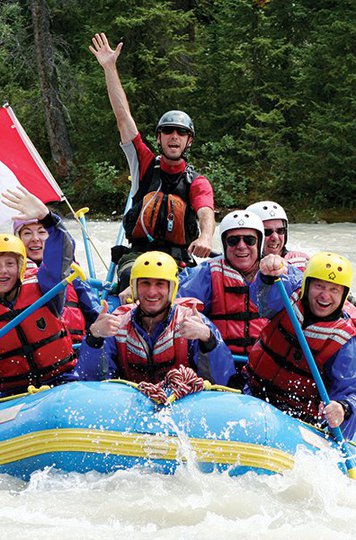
{"x": 313, "y": 501}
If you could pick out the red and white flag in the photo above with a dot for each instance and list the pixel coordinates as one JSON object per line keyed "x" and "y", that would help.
{"x": 20, "y": 163}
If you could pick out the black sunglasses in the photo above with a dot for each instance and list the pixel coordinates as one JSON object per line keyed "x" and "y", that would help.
{"x": 249, "y": 240}
{"x": 280, "y": 231}
{"x": 167, "y": 130}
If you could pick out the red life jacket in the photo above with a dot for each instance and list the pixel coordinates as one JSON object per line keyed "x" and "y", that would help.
{"x": 297, "y": 258}
{"x": 38, "y": 349}
{"x": 137, "y": 361}
{"x": 278, "y": 371}
{"x": 232, "y": 310}
{"x": 351, "y": 311}
{"x": 73, "y": 316}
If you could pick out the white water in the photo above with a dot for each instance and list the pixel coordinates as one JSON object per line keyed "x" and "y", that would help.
{"x": 313, "y": 501}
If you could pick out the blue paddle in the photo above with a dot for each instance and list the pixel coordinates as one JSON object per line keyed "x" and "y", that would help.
{"x": 119, "y": 241}
{"x": 349, "y": 461}
{"x": 77, "y": 272}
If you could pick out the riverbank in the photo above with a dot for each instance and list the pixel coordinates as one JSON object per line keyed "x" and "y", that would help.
{"x": 296, "y": 214}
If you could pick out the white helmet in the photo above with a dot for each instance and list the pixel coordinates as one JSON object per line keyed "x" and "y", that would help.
{"x": 243, "y": 219}
{"x": 267, "y": 210}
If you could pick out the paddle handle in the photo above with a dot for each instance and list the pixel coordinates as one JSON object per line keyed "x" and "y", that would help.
{"x": 88, "y": 252}
{"x": 119, "y": 240}
{"x": 349, "y": 461}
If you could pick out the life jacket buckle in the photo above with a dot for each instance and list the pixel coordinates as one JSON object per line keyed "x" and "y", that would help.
{"x": 170, "y": 222}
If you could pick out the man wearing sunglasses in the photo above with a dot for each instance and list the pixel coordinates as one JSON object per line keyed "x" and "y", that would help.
{"x": 275, "y": 223}
{"x": 169, "y": 196}
{"x": 223, "y": 283}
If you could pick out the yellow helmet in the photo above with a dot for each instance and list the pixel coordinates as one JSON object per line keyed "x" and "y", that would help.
{"x": 156, "y": 265}
{"x": 10, "y": 243}
{"x": 329, "y": 267}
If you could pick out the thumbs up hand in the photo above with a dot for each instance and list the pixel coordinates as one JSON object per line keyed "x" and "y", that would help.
{"x": 193, "y": 326}
{"x": 106, "y": 325}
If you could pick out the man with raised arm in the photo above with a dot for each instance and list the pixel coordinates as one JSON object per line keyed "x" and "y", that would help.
{"x": 169, "y": 196}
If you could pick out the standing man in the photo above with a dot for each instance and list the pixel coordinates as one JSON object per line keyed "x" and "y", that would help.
{"x": 169, "y": 196}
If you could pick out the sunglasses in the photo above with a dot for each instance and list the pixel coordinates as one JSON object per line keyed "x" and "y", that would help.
{"x": 167, "y": 130}
{"x": 249, "y": 240}
{"x": 280, "y": 231}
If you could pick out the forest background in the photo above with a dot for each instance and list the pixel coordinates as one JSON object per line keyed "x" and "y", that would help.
{"x": 270, "y": 86}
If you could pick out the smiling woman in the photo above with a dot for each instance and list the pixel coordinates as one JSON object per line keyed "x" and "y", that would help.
{"x": 33, "y": 235}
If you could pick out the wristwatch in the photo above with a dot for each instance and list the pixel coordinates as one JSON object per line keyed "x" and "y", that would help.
{"x": 347, "y": 409}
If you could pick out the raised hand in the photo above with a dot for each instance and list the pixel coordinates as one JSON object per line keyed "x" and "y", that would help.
{"x": 28, "y": 205}
{"x": 273, "y": 265}
{"x": 105, "y": 55}
{"x": 193, "y": 326}
{"x": 106, "y": 325}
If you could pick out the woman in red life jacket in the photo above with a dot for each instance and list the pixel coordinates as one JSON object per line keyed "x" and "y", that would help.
{"x": 81, "y": 306}
{"x": 39, "y": 350}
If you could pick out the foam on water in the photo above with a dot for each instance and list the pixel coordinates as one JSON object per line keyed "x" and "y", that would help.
{"x": 314, "y": 500}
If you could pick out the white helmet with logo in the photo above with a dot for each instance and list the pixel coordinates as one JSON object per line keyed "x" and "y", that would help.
{"x": 267, "y": 210}
{"x": 243, "y": 219}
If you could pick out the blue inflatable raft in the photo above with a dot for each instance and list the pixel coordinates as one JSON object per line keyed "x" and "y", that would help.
{"x": 106, "y": 426}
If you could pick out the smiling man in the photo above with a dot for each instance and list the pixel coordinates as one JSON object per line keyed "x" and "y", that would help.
{"x": 277, "y": 370}
{"x": 147, "y": 339}
{"x": 275, "y": 222}
{"x": 223, "y": 283}
{"x": 169, "y": 196}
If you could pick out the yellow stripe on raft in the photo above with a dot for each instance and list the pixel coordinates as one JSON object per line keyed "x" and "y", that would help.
{"x": 143, "y": 446}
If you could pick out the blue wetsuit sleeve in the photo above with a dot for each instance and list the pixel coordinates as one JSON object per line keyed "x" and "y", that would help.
{"x": 216, "y": 365}
{"x": 266, "y": 295}
{"x": 57, "y": 258}
{"x": 341, "y": 372}
{"x": 88, "y": 301}
{"x": 97, "y": 364}
{"x": 196, "y": 282}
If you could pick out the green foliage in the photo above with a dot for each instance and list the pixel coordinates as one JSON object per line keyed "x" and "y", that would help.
{"x": 271, "y": 91}
{"x": 101, "y": 186}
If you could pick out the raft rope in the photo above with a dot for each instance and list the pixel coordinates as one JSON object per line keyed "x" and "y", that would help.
{"x": 30, "y": 390}
{"x": 178, "y": 382}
